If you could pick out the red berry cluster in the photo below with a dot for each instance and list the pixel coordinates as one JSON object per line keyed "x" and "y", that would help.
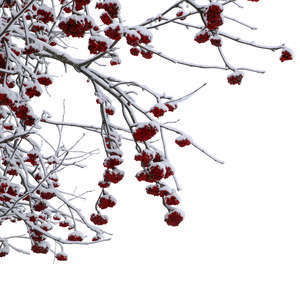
{"x": 75, "y": 236}
{"x": 46, "y": 194}
{"x": 205, "y": 35}
{"x": 111, "y": 175}
{"x": 8, "y": 190}
{"x": 106, "y": 19}
{"x": 61, "y": 256}
{"x": 40, "y": 205}
{"x": 44, "y": 80}
{"x": 174, "y": 217}
{"x": 183, "y": 141}
{"x": 22, "y": 110}
{"x": 286, "y": 55}
{"x": 106, "y": 201}
{"x": 216, "y": 41}
{"x": 147, "y": 54}
{"x": 202, "y": 36}
{"x": 32, "y": 158}
{"x": 115, "y": 61}
{"x": 4, "y": 251}
{"x": 180, "y": 13}
{"x": 98, "y": 219}
{"x": 145, "y": 131}
{"x": 75, "y": 26}
{"x": 136, "y": 38}
{"x": 33, "y": 91}
{"x": 97, "y": 45}
{"x": 45, "y": 15}
{"x": 114, "y": 32}
{"x": 110, "y": 110}
{"x": 112, "y": 7}
{"x": 235, "y": 78}
{"x": 155, "y": 169}
{"x": 214, "y": 16}
{"x": 80, "y": 4}
{"x": 133, "y": 38}
{"x": 40, "y": 248}
{"x": 158, "y": 110}
{"x": 112, "y": 161}
{"x": 31, "y": 49}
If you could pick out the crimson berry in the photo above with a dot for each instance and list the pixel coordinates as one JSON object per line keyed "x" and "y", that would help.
{"x": 32, "y": 92}
{"x": 180, "y": 14}
{"x": 106, "y": 201}
{"x": 133, "y": 38}
{"x": 32, "y": 157}
{"x": 103, "y": 184}
{"x": 145, "y": 131}
{"x": 75, "y": 236}
{"x": 174, "y": 218}
{"x": 106, "y": 19}
{"x": 61, "y": 256}
{"x": 135, "y": 51}
{"x": 171, "y": 107}
{"x": 183, "y": 141}
{"x": 217, "y": 42}
{"x": 98, "y": 219}
{"x": 172, "y": 200}
{"x": 80, "y": 4}
{"x": 114, "y": 32}
{"x": 112, "y": 161}
{"x": 75, "y": 27}
{"x": 147, "y": 54}
{"x": 97, "y": 45}
{"x": 235, "y": 78}
{"x": 159, "y": 110}
{"x": 145, "y": 157}
{"x": 214, "y": 16}
{"x": 40, "y": 248}
{"x": 4, "y": 251}
{"x": 44, "y": 80}
{"x": 45, "y": 14}
{"x": 113, "y": 175}
{"x": 39, "y": 206}
{"x": 286, "y": 55}
{"x": 202, "y": 36}
{"x": 153, "y": 190}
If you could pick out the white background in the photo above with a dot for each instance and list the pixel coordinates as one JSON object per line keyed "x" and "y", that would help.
{"x": 240, "y": 238}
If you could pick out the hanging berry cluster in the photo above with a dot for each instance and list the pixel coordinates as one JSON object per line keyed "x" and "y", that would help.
{"x": 34, "y": 33}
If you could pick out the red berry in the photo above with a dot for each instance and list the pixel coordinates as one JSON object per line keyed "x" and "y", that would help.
{"x": 106, "y": 201}
{"x": 98, "y": 219}
{"x": 174, "y": 218}
{"x": 159, "y": 110}
{"x": 75, "y": 236}
{"x": 183, "y": 141}
{"x": 135, "y": 51}
{"x": 235, "y": 78}
{"x": 61, "y": 256}
{"x": 214, "y": 16}
{"x": 145, "y": 131}
{"x": 286, "y": 55}
{"x": 202, "y": 36}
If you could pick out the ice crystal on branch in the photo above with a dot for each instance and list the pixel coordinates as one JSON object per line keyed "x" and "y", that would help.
{"x": 35, "y": 33}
